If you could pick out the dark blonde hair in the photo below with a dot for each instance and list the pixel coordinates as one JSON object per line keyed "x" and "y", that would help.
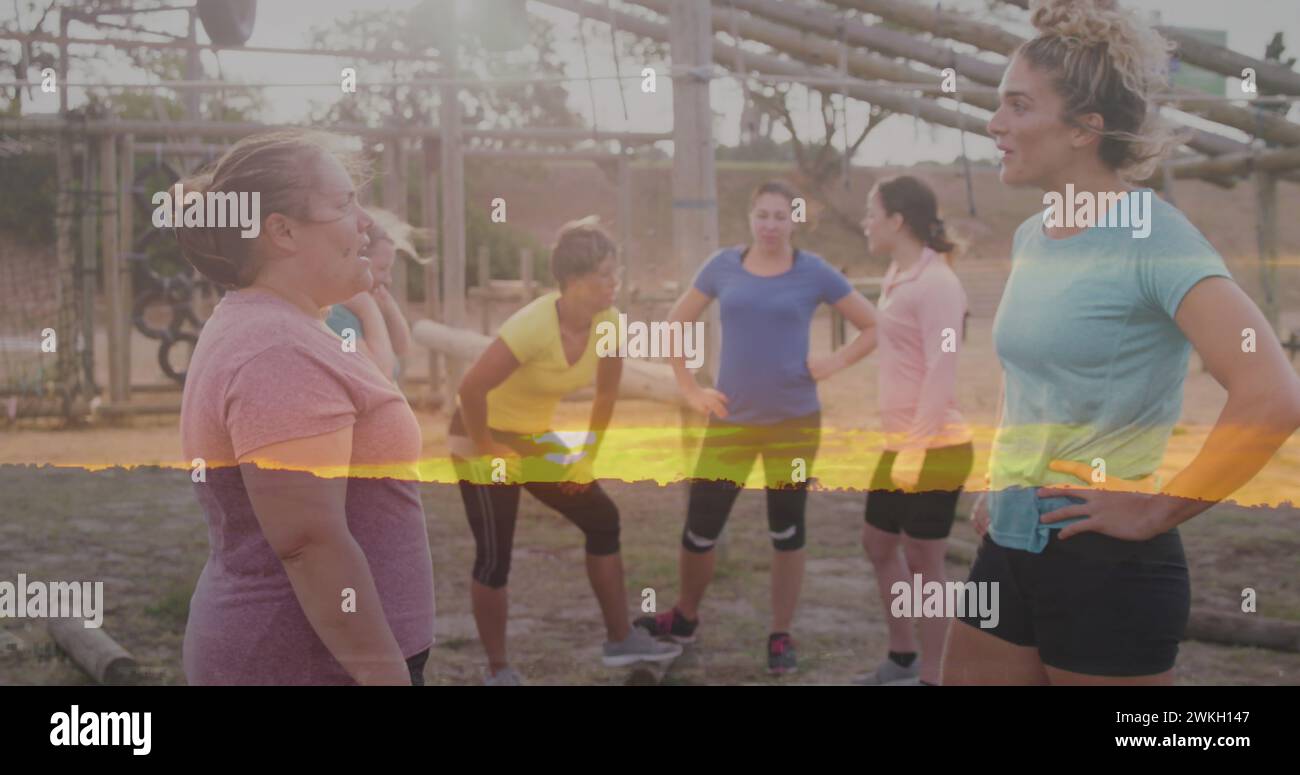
{"x": 283, "y": 167}
{"x": 579, "y": 247}
{"x": 1106, "y": 61}
{"x": 915, "y": 201}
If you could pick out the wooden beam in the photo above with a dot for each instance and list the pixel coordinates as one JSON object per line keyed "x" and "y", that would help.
{"x": 430, "y": 154}
{"x": 1248, "y": 120}
{"x": 623, "y": 179}
{"x": 895, "y": 43}
{"x": 117, "y": 303}
{"x": 125, "y": 296}
{"x": 1266, "y": 236}
{"x": 695, "y": 192}
{"x": 1271, "y": 76}
{"x": 226, "y": 129}
{"x": 452, "y": 171}
{"x": 823, "y": 51}
{"x": 730, "y": 56}
{"x": 1237, "y": 163}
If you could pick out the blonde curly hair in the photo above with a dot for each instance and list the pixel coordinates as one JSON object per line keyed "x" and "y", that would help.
{"x": 1105, "y": 60}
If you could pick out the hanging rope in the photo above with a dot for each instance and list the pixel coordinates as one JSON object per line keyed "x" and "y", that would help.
{"x": 613, "y": 44}
{"x": 961, "y": 117}
{"x": 746, "y": 113}
{"x": 844, "y": 102}
{"x": 591, "y": 86}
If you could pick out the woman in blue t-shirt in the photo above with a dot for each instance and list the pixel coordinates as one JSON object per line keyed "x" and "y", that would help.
{"x": 765, "y": 404}
{"x": 1110, "y": 290}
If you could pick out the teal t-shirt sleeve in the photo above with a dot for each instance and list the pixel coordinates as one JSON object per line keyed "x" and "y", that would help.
{"x": 709, "y": 279}
{"x": 834, "y": 286}
{"x": 1169, "y": 269}
{"x": 341, "y": 318}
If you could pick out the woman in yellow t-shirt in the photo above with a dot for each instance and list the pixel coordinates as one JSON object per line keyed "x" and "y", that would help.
{"x": 501, "y": 440}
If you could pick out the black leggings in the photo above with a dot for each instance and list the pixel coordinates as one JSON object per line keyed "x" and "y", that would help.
{"x": 492, "y": 509}
{"x": 726, "y": 457}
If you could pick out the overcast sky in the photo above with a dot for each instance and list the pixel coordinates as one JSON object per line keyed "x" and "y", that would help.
{"x": 1249, "y": 25}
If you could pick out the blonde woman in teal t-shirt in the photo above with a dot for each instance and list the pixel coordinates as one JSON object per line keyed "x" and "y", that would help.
{"x": 1110, "y": 290}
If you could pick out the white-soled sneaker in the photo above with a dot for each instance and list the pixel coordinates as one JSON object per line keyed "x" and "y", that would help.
{"x": 638, "y": 646}
{"x": 506, "y": 676}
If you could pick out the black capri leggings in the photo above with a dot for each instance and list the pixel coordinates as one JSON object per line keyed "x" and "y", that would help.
{"x": 492, "y": 509}
{"x": 726, "y": 457}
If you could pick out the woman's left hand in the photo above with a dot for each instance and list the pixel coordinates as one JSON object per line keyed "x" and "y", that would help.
{"x": 1128, "y": 509}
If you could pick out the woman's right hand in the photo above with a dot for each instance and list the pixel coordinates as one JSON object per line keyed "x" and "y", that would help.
{"x": 707, "y": 401}
{"x": 979, "y": 515}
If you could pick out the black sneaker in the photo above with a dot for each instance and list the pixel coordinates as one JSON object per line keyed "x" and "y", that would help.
{"x": 669, "y": 624}
{"x": 781, "y": 657}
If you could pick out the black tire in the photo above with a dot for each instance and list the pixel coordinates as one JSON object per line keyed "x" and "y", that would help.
{"x": 228, "y": 22}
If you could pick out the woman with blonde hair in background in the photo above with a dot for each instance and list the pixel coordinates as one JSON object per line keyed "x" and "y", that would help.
{"x": 374, "y": 315}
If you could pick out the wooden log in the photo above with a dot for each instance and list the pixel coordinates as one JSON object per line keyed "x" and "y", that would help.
{"x": 1236, "y": 163}
{"x": 768, "y": 64}
{"x": 110, "y": 409}
{"x": 1217, "y": 59}
{"x": 484, "y": 270}
{"x": 646, "y": 381}
{"x": 878, "y": 38}
{"x": 1259, "y": 123}
{"x": 94, "y": 651}
{"x": 1243, "y": 629}
{"x": 824, "y": 50}
{"x": 526, "y": 273}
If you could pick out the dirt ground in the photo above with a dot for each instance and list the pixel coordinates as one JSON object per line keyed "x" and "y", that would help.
{"x": 139, "y": 530}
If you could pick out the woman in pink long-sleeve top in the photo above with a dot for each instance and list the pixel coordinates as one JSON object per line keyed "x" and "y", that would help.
{"x": 927, "y": 453}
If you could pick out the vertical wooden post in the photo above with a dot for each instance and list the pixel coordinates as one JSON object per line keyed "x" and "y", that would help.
{"x": 395, "y": 202}
{"x": 453, "y": 197}
{"x": 695, "y": 206}
{"x": 63, "y": 63}
{"x": 1266, "y": 235}
{"x": 484, "y": 271}
{"x": 526, "y": 274}
{"x": 65, "y": 251}
{"x": 432, "y": 286}
{"x": 624, "y": 226}
{"x": 84, "y": 273}
{"x": 125, "y": 296}
{"x": 117, "y": 306}
{"x": 193, "y": 70}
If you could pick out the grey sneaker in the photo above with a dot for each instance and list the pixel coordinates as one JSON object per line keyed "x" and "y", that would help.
{"x": 889, "y": 672}
{"x": 638, "y": 646}
{"x": 506, "y": 676}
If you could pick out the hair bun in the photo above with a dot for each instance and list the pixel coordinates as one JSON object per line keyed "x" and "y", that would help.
{"x": 1090, "y": 21}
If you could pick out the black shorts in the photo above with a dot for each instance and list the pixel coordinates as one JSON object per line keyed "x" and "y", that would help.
{"x": 493, "y": 509}
{"x": 1091, "y": 604}
{"x": 929, "y": 512}
{"x": 727, "y": 455}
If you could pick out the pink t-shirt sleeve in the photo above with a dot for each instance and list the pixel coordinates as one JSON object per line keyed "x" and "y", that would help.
{"x": 942, "y": 306}
{"x": 283, "y": 393}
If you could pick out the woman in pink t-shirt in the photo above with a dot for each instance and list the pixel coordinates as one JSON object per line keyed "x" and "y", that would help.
{"x": 928, "y": 452}
{"x": 319, "y": 569}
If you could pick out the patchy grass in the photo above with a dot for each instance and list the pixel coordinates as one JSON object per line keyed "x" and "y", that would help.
{"x": 141, "y": 533}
